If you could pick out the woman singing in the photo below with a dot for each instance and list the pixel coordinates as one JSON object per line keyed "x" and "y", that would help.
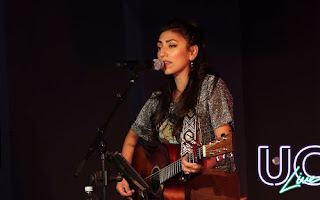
{"x": 190, "y": 95}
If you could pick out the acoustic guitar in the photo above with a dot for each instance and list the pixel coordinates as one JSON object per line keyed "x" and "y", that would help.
{"x": 160, "y": 165}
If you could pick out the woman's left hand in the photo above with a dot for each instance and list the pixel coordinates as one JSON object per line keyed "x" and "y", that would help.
{"x": 190, "y": 168}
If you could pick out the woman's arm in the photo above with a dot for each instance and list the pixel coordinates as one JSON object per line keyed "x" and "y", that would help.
{"x": 211, "y": 162}
{"x": 128, "y": 147}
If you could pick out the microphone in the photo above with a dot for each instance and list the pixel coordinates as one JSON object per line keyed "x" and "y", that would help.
{"x": 140, "y": 65}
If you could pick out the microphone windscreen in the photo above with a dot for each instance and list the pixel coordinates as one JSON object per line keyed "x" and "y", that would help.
{"x": 157, "y": 64}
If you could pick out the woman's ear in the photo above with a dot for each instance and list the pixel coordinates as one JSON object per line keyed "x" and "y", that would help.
{"x": 193, "y": 52}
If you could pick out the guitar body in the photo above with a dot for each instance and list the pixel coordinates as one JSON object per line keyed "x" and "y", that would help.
{"x": 148, "y": 159}
{"x": 161, "y": 163}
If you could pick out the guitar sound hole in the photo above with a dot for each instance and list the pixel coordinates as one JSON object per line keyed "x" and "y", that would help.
{"x": 155, "y": 180}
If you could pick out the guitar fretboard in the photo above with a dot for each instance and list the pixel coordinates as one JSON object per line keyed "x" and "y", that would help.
{"x": 176, "y": 167}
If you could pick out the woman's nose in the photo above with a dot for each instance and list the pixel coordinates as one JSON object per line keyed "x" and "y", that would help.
{"x": 162, "y": 53}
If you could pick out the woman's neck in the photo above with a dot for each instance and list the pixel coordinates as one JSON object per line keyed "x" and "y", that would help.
{"x": 181, "y": 84}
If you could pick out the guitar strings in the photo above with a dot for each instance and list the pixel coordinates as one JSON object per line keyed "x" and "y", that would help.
{"x": 173, "y": 168}
{"x": 167, "y": 169}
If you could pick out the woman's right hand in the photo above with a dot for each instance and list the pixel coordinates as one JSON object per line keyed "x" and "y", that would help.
{"x": 124, "y": 189}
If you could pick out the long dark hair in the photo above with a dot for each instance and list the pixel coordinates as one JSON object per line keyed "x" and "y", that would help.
{"x": 188, "y": 99}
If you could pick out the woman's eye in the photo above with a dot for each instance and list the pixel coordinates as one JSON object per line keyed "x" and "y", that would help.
{"x": 172, "y": 45}
{"x": 158, "y": 48}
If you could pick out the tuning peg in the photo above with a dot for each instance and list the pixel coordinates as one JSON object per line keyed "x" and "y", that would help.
{"x": 217, "y": 159}
{"x": 231, "y": 155}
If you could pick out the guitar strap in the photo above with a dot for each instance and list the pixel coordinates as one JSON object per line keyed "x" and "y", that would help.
{"x": 191, "y": 132}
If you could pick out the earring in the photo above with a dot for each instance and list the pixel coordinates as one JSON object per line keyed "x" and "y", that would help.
{"x": 191, "y": 64}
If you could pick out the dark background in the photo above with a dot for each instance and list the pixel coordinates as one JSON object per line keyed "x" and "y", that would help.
{"x": 58, "y": 84}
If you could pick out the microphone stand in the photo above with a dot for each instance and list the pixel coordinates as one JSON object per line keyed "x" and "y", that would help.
{"x": 98, "y": 144}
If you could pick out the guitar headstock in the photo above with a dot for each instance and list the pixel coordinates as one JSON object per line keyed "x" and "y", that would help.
{"x": 218, "y": 147}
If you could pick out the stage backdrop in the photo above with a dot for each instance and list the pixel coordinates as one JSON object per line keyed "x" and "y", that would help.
{"x": 62, "y": 86}
{"x": 280, "y": 54}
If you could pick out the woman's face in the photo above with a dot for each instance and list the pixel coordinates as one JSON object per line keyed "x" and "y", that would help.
{"x": 173, "y": 50}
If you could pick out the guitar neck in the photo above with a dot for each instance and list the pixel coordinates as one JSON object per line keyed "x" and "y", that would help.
{"x": 217, "y": 147}
{"x": 176, "y": 167}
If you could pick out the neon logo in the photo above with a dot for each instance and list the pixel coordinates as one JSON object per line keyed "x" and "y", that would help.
{"x": 284, "y": 161}
{"x": 300, "y": 180}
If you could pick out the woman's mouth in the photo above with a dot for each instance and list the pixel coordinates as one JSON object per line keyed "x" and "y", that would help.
{"x": 166, "y": 63}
